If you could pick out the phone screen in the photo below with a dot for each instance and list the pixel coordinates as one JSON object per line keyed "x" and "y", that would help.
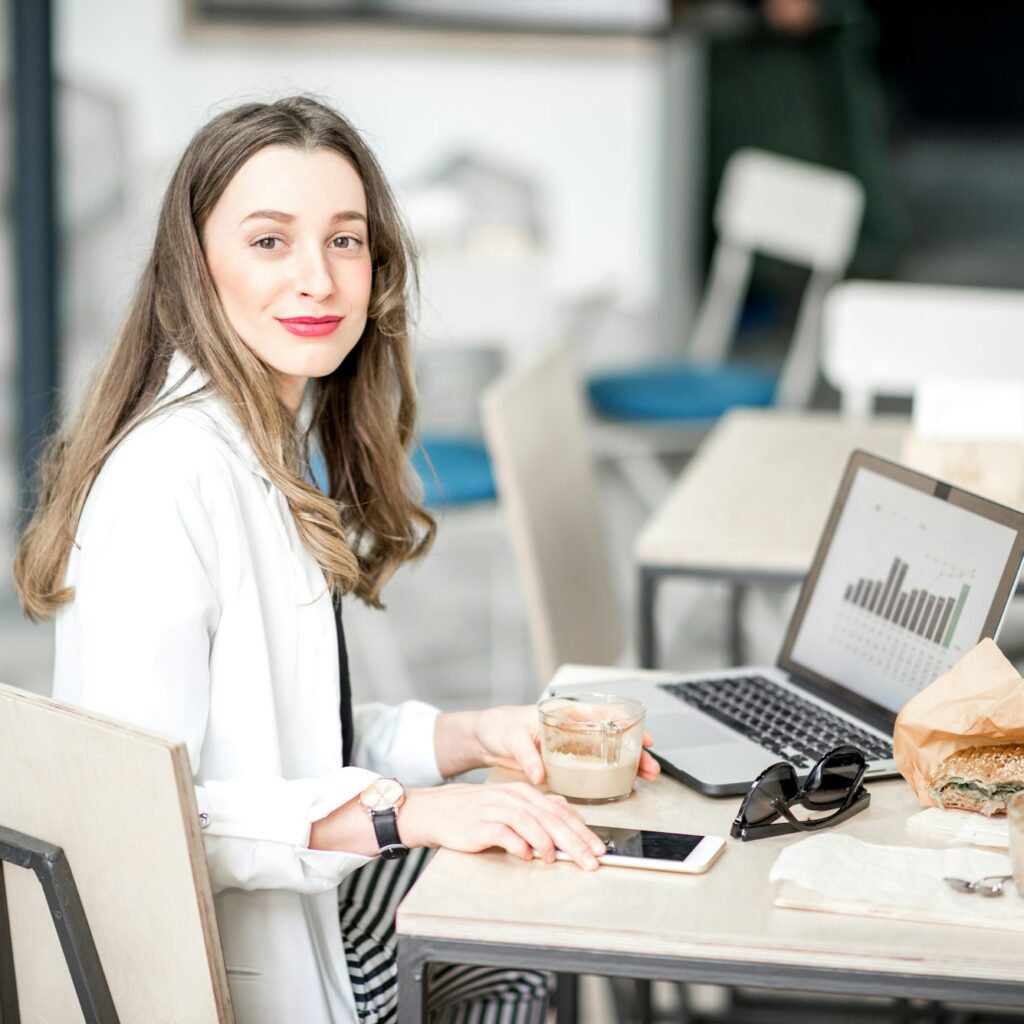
{"x": 627, "y": 842}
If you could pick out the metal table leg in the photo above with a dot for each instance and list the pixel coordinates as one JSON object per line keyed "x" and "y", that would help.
{"x": 737, "y": 652}
{"x": 412, "y": 981}
{"x": 567, "y": 999}
{"x": 647, "y": 640}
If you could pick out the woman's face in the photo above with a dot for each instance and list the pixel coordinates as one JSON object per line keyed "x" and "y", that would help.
{"x": 288, "y": 250}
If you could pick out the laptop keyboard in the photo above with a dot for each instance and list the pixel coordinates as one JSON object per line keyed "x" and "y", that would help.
{"x": 777, "y": 718}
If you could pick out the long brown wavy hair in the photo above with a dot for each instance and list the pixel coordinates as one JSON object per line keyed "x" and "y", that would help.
{"x": 371, "y": 521}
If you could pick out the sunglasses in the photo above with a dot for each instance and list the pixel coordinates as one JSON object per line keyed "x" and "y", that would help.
{"x": 833, "y": 784}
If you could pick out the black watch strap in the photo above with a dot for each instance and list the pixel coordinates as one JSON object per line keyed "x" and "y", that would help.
{"x": 385, "y": 825}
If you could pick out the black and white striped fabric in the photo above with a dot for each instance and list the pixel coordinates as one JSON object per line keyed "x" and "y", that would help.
{"x": 459, "y": 994}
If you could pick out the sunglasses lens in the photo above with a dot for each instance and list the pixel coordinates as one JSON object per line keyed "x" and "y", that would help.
{"x": 840, "y": 772}
{"x": 778, "y": 783}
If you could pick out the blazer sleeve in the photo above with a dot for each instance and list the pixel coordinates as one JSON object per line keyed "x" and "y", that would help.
{"x": 397, "y": 741}
{"x": 256, "y": 830}
{"x": 141, "y": 628}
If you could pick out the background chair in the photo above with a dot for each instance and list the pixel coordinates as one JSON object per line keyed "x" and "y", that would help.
{"x": 482, "y": 311}
{"x": 535, "y": 425}
{"x": 534, "y": 422}
{"x": 770, "y": 205}
{"x": 882, "y": 338}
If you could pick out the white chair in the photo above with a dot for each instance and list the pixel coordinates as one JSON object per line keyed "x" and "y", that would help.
{"x": 889, "y": 339}
{"x": 485, "y": 305}
{"x": 883, "y": 338}
{"x": 535, "y": 426}
{"x": 494, "y": 304}
{"x": 767, "y": 204}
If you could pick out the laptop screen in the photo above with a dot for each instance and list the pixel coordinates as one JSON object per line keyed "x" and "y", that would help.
{"x": 910, "y": 574}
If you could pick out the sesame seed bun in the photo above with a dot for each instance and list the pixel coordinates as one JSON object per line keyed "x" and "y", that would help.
{"x": 980, "y": 778}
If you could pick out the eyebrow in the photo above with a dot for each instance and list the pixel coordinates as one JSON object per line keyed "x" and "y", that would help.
{"x": 287, "y": 218}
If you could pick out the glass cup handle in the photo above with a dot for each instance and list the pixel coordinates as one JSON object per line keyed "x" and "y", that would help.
{"x": 611, "y": 743}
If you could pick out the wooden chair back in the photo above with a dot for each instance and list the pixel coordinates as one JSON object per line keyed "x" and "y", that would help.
{"x": 120, "y": 803}
{"x": 534, "y": 422}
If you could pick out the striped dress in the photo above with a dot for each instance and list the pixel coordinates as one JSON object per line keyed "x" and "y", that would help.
{"x": 367, "y": 902}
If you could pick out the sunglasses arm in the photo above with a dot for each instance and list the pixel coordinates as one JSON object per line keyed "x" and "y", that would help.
{"x": 858, "y": 801}
{"x": 802, "y": 826}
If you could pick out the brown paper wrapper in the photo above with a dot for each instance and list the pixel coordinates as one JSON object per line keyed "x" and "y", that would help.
{"x": 979, "y": 700}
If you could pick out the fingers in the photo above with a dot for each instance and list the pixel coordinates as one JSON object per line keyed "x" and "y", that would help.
{"x": 525, "y": 822}
{"x": 572, "y": 837}
{"x": 548, "y": 823}
{"x": 514, "y": 817}
{"x": 579, "y": 826}
{"x": 509, "y": 840}
{"x": 525, "y": 751}
{"x": 648, "y": 768}
{"x": 563, "y": 824}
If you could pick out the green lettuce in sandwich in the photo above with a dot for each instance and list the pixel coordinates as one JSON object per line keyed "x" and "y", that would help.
{"x": 980, "y": 778}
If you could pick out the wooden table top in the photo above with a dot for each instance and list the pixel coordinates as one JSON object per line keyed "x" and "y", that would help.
{"x": 725, "y": 914}
{"x": 754, "y": 498}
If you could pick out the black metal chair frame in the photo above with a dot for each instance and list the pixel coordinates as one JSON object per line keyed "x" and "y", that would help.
{"x": 52, "y": 869}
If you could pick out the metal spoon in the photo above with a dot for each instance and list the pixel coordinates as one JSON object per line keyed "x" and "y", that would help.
{"x": 959, "y": 884}
{"x": 990, "y": 885}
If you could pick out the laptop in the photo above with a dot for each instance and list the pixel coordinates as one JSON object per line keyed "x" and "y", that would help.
{"x": 909, "y": 574}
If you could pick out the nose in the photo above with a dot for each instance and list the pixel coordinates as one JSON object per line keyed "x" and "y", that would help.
{"x": 313, "y": 275}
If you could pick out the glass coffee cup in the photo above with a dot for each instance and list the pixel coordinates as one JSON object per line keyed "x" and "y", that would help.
{"x": 591, "y": 745}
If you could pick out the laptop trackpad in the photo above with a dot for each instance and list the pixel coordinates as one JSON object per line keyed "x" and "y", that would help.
{"x": 706, "y": 750}
{"x": 732, "y": 765}
{"x": 687, "y": 729}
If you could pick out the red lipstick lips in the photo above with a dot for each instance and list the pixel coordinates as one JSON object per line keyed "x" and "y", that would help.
{"x": 310, "y": 326}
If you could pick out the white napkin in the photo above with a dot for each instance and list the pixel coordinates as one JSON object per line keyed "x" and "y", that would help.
{"x": 964, "y": 827}
{"x": 842, "y": 875}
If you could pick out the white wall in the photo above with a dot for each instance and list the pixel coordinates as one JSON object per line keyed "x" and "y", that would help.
{"x": 584, "y": 117}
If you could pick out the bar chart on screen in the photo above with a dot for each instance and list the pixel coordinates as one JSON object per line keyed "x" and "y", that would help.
{"x": 906, "y": 621}
{"x": 920, "y": 611}
{"x": 903, "y": 592}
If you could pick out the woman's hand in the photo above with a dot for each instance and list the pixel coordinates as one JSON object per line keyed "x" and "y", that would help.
{"x": 505, "y": 737}
{"x": 509, "y": 737}
{"x": 515, "y": 817}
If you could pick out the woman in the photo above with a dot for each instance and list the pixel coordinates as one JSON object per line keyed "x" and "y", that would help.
{"x": 195, "y": 572}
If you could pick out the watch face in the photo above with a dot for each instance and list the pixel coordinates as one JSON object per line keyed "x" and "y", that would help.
{"x": 382, "y": 794}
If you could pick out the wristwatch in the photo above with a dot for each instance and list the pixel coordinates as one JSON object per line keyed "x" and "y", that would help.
{"x": 381, "y": 800}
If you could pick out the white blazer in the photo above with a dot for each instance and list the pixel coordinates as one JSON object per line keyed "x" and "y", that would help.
{"x": 199, "y": 613}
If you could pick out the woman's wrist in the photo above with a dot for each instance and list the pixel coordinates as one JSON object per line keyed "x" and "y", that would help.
{"x": 457, "y": 746}
{"x": 347, "y": 828}
{"x": 415, "y": 820}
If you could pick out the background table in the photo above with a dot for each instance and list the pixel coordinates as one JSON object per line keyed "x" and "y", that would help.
{"x": 720, "y": 927}
{"x": 751, "y": 504}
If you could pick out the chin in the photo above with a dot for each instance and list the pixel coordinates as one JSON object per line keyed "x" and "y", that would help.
{"x": 315, "y": 364}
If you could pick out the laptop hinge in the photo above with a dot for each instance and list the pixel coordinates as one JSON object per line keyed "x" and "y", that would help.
{"x": 876, "y": 717}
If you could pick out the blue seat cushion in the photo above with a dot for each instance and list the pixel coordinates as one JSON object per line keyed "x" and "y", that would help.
{"x": 455, "y": 471}
{"x": 462, "y": 466}
{"x": 679, "y": 391}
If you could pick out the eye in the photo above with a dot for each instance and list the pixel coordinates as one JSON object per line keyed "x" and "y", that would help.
{"x": 346, "y": 243}
{"x": 268, "y": 243}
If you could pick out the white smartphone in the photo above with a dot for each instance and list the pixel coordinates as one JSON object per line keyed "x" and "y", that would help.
{"x": 656, "y": 851}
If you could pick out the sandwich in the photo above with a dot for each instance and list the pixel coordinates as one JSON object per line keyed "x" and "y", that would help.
{"x": 980, "y": 778}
